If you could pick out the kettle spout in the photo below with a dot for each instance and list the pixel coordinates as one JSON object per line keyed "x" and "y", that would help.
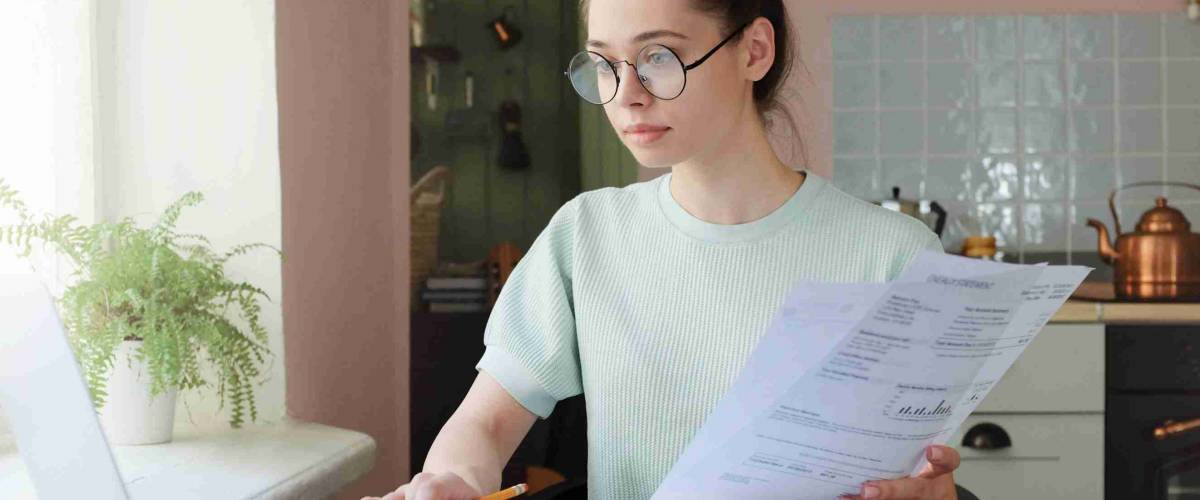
{"x": 1107, "y": 253}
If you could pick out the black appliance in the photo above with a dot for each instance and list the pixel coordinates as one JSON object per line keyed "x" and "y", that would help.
{"x": 1152, "y": 407}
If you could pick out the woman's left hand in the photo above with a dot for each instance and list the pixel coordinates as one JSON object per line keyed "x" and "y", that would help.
{"x": 935, "y": 482}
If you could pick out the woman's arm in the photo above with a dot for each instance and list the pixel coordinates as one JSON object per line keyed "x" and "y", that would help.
{"x": 481, "y": 435}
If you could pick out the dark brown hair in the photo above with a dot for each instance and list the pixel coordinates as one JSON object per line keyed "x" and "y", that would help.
{"x": 734, "y": 13}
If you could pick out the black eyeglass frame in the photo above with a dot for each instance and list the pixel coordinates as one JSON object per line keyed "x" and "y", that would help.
{"x": 686, "y": 67}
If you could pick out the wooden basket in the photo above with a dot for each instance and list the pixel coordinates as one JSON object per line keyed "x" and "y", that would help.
{"x": 428, "y": 197}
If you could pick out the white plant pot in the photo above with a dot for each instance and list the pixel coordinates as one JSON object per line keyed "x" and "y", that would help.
{"x": 130, "y": 416}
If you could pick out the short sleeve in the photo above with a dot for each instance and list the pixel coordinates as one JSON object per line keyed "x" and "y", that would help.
{"x": 531, "y": 349}
{"x": 911, "y": 237}
{"x": 935, "y": 243}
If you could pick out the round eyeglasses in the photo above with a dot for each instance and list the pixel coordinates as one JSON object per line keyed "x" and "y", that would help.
{"x": 659, "y": 70}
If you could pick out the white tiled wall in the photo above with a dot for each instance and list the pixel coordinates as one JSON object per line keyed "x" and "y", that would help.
{"x": 1024, "y": 122}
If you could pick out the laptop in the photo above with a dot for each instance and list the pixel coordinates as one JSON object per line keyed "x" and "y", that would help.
{"x": 45, "y": 399}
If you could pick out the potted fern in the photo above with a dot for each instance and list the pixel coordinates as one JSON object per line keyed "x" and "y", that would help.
{"x": 149, "y": 312}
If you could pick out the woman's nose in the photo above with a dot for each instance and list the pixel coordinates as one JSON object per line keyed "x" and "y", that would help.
{"x": 631, "y": 92}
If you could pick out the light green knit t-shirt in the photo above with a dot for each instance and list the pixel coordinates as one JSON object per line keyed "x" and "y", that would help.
{"x": 651, "y": 312}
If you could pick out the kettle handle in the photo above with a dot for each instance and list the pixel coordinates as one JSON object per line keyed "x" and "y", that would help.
{"x": 1112, "y": 207}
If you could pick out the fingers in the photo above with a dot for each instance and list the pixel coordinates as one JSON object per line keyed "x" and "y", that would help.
{"x": 942, "y": 460}
{"x": 428, "y": 486}
{"x": 911, "y": 488}
{"x": 908, "y": 488}
{"x": 934, "y": 481}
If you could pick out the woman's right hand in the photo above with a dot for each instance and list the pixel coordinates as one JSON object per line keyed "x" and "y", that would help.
{"x": 433, "y": 486}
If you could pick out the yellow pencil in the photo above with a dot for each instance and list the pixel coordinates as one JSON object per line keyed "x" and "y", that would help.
{"x": 505, "y": 494}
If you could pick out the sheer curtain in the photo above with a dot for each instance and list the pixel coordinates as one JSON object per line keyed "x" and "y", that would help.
{"x": 47, "y": 150}
{"x": 115, "y": 108}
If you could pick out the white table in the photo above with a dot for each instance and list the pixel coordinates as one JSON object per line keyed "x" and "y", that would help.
{"x": 288, "y": 459}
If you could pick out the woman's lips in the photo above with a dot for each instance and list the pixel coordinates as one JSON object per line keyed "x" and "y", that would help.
{"x": 643, "y": 135}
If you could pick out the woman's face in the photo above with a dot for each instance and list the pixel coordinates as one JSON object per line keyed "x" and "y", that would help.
{"x": 661, "y": 133}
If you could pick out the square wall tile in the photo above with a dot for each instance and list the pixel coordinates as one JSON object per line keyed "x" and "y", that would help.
{"x": 857, "y": 176}
{"x": 1090, "y": 36}
{"x": 1043, "y": 83}
{"x": 1044, "y": 227}
{"x": 1139, "y": 35}
{"x": 1184, "y": 169}
{"x": 1140, "y": 83}
{"x": 854, "y": 85}
{"x": 1092, "y": 83}
{"x": 1141, "y": 130}
{"x": 1045, "y": 130}
{"x": 901, "y": 84}
{"x": 1183, "y": 82}
{"x": 902, "y": 132}
{"x": 997, "y": 83}
{"x": 950, "y": 131}
{"x": 1045, "y": 178}
{"x": 950, "y": 84}
{"x": 996, "y": 130}
{"x": 1183, "y": 36}
{"x": 854, "y": 132}
{"x": 949, "y": 37}
{"x": 1092, "y": 178}
{"x": 995, "y": 178}
{"x": 901, "y": 38}
{"x": 906, "y": 173}
{"x": 853, "y": 38}
{"x": 995, "y": 37}
{"x": 1183, "y": 130}
{"x": 1092, "y": 131}
{"x": 947, "y": 179}
{"x": 1044, "y": 37}
{"x": 1139, "y": 169}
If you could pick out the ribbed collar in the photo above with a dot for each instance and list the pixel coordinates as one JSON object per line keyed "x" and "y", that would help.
{"x": 732, "y": 233}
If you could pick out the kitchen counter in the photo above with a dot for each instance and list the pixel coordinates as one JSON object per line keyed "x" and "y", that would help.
{"x": 1095, "y": 302}
{"x": 1086, "y": 311}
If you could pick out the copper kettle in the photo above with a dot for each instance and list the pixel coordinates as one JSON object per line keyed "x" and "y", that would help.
{"x": 1158, "y": 261}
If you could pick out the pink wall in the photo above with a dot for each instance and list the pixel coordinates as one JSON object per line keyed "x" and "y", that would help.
{"x": 343, "y": 87}
{"x": 810, "y": 20}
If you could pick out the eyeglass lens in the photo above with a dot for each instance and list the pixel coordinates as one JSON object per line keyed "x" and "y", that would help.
{"x": 596, "y": 79}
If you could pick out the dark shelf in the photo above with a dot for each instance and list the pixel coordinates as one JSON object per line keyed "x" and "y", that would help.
{"x": 439, "y": 53}
{"x": 444, "y": 350}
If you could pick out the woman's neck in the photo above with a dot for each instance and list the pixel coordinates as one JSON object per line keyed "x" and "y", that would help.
{"x": 738, "y": 180}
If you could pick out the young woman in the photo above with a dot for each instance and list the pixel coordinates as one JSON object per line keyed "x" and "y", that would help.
{"x": 648, "y": 299}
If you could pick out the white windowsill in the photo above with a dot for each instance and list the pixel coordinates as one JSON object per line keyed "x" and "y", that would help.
{"x": 287, "y": 459}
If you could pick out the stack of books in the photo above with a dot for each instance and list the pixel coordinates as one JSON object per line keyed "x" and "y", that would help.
{"x": 455, "y": 293}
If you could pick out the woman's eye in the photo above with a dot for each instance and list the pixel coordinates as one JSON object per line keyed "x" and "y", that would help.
{"x": 603, "y": 68}
{"x": 659, "y": 58}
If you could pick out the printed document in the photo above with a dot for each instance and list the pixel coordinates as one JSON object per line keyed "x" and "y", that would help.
{"x": 853, "y": 380}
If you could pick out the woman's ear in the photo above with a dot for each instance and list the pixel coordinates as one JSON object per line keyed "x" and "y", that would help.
{"x": 759, "y": 38}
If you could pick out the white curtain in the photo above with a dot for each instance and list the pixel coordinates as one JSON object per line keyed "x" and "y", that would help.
{"x": 47, "y": 151}
{"x": 115, "y": 108}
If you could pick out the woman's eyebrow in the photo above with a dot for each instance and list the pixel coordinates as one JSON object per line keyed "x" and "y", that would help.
{"x": 642, "y": 37}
